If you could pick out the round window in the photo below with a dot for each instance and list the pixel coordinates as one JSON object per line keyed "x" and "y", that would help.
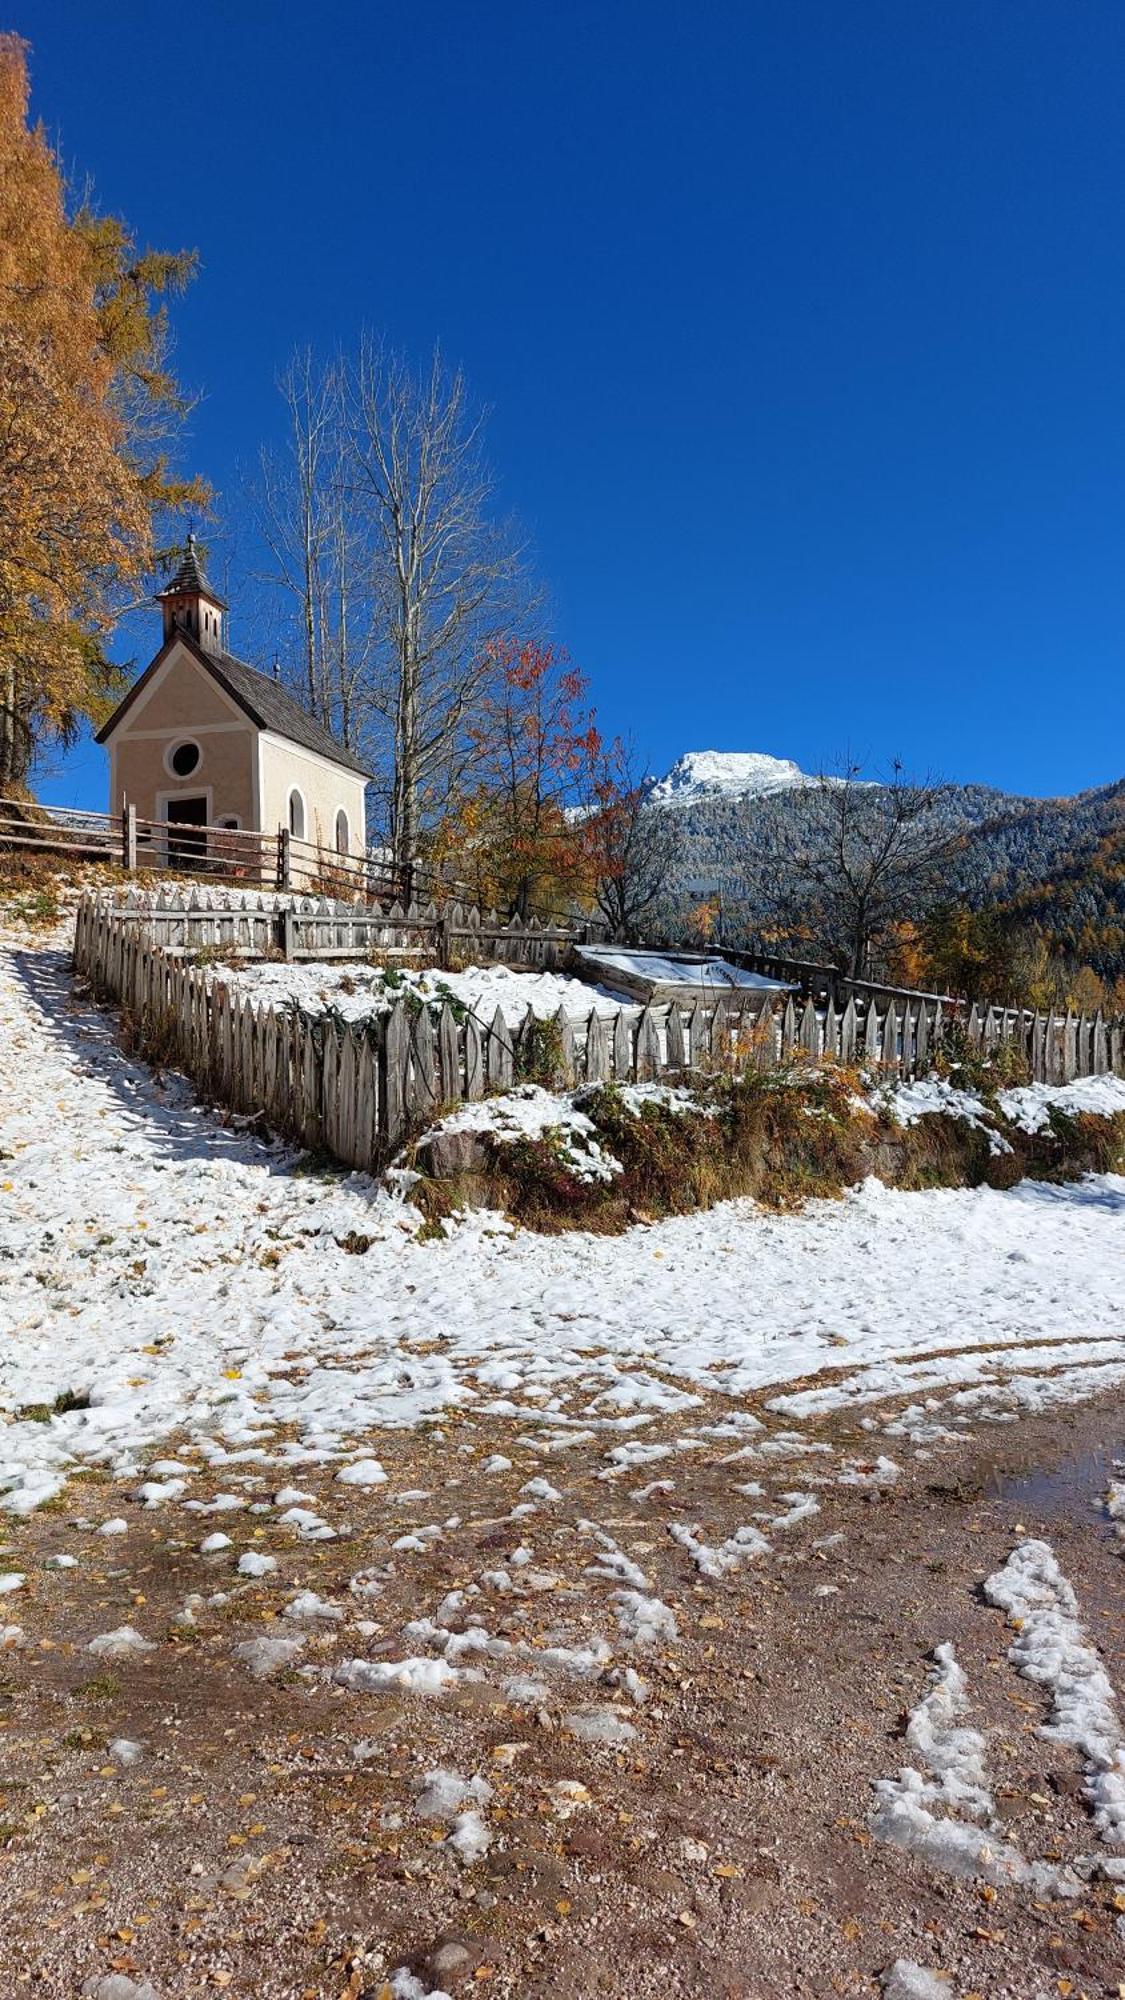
{"x": 185, "y": 759}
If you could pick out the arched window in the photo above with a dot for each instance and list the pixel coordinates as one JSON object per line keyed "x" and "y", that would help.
{"x": 343, "y": 832}
{"x": 296, "y": 814}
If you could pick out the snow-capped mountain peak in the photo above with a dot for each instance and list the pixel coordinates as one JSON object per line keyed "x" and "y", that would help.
{"x": 732, "y": 774}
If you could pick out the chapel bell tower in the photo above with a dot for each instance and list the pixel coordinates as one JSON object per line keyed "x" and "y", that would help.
{"x": 190, "y": 605}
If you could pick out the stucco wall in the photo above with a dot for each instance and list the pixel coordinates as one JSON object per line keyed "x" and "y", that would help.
{"x": 182, "y": 702}
{"x": 225, "y": 772}
{"x": 323, "y": 786}
{"x": 242, "y": 772}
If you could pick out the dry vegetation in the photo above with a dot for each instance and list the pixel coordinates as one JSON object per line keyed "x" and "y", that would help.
{"x": 780, "y": 1136}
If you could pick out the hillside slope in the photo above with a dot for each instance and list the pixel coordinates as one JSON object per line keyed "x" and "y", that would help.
{"x": 1058, "y": 863}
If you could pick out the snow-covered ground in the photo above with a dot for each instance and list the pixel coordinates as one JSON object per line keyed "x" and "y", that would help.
{"x": 356, "y": 990}
{"x": 169, "y": 1275}
{"x": 602, "y": 1555}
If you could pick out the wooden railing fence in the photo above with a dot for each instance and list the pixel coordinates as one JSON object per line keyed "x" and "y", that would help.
{"x": 822, "y": 982}
{"x": 239, "y": 857}
{"x": 358, "y": 1089}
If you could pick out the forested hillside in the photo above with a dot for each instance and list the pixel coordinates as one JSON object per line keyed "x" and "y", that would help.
{"x": 1049, "y": 872}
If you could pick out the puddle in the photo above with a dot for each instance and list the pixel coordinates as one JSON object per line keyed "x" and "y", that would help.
{"x": 1072, "y": 1489}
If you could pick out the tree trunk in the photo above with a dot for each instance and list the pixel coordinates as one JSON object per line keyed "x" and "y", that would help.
{"x": 404, "y": 814}
{"x": 15, "y": 737}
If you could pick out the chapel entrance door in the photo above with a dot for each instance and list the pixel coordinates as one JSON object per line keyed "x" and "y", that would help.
{"x": 186, "y": 847}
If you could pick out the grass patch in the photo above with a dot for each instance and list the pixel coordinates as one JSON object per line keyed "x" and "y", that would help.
{"x": 41, "y": 1413}
{"x": 29, "y": 887}
{"x": 104, "y": 1687}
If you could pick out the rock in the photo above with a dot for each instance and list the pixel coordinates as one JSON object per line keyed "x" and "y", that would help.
{"x": 446, "y": 1155}
{"x": 450, "y": 1963}
{"x": 124, "y": 1751}
{"x": 658, "y": 1882}
{"x": 758, "y": 1892}
{"x": 265, "y": 1656}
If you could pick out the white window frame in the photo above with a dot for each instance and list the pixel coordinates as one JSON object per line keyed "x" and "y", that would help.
{"x": 342, "y": 814}
{"x": 295, "y": 792}
{"x": 177, "y": 743}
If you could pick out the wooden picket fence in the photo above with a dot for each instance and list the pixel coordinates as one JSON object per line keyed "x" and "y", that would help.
{"x": 321, "y": 927}
{"x": 358, "y": 1089}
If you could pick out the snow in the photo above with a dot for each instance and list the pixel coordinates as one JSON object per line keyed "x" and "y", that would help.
{"x": 530, "y": 1112}
{"x": 799, "y": 1507}
{"x": 253, "y": 1564}
{"x": 727, "y": 774}
{"x": 362, "y": 1472}
{"x": 927, "y": 1096}
{"x": 469, "y": 1837}
{"x": 600, "y": 1725}
{"x": 307, "y": 1604}
{"x": 954, "y": 1755}
{"x": 647, "y": 1621}
{"x": 707, "y": 971}
{"x": 416, "y": 1675}
{"x": 1052, "y": 1650}
{"x": 297, "y": 1358}
{"x": 743, "y": 1546}
{"x": 310, "y": 1527}
{"x": 1029, "y": 1105}
{"x": 125, "y": 1751}
{"x": 907, "y": 1980}
{"x": 405, "y": 1985}
{"x": 356, "y": 991}
{"x": 930, "y": 1096}
{"x": 930, "y": 1811}
{"x": 118, "y": 1986}
{"x": 441, "y": 1794}
{"x": 122, "y": 1644}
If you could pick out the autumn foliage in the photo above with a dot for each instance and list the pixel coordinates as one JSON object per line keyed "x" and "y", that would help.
{"x": 86, "y": 403}
{"x": 514, "y": 831}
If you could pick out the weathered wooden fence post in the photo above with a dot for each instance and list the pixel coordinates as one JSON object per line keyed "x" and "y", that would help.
{"x": 128, "y": 837}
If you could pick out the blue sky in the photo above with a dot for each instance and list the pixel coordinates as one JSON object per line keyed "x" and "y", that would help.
{"x": 803, "y": 325}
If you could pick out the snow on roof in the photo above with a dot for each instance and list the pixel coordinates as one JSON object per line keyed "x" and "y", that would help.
{"x": 705, "y": 970}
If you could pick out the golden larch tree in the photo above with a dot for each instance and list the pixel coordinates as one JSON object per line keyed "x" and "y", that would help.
{"x": 87, "y": 410}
